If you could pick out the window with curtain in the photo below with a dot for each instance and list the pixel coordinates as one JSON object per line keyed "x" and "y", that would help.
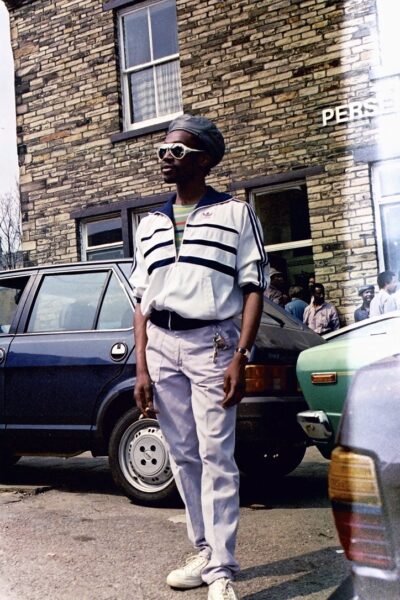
{"x": 151, "y": 85}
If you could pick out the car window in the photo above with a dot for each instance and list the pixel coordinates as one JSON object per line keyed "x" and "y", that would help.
{"x": 116, "y": 311}
{"x": 67, "y": 302}
{"x": 10, "y": 295}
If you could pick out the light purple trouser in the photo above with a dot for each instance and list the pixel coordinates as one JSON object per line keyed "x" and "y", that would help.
{"x": 200, "y": 434}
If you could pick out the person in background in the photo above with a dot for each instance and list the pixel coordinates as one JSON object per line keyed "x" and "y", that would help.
{"x": 297, "y": 305}
{"x": 396, "y": 294}
{"x": 384, "y": 301}
{"x": 276, "y": 290}
{"x": 321, "y": 316}
{"x": 366, "y": 292}
{"x": 189, "y": 282}
{"x": 310, "y": 287}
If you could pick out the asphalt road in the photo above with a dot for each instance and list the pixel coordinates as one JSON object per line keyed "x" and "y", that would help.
{"x": 66, "y": 533}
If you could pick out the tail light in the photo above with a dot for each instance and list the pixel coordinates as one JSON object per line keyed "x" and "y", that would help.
{"x": 271, "y": 379}
{"x": 357, "y": 508}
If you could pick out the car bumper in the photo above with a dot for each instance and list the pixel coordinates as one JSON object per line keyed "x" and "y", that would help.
{"x": 269, "y": 418}
{"x": 315, "y": 425}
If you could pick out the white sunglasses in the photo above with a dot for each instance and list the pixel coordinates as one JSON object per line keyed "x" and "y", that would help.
{"x": 177, "y": 150}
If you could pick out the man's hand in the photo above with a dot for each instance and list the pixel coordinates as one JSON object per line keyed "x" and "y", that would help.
{"x": 234, "y": 381}
{"x": 143, "y": 395}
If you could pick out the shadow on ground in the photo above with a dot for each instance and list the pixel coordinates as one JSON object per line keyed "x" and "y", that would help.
{"x": 312, "y": 573}
{"x": 306, "y": 487}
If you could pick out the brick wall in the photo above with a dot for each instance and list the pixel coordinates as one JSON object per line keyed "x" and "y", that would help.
{"x": 264, "y": 70}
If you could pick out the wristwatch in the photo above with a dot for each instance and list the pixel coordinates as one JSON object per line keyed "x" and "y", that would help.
{"x": 243, "y": 351}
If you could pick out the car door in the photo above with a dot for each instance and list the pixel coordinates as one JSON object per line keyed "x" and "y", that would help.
{"x": 13, "y": 293}
{"x": 72, "y": 342}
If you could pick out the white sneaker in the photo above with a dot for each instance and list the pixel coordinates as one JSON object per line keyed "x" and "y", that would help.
{"x": 222, "y": 589}
{"x": 189, "y": 576}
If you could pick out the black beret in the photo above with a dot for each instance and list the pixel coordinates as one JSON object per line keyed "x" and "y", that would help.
{"x": 210, "y": 136}
{"x": 364, "y": 288}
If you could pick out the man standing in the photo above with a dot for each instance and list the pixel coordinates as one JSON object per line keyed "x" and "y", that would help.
{"x": 319, "y": 315}
{"x": 276, "y": 288}
{"x": 297, "y": 305}
{"x": 367, "y": 293}
{"x": 384, "y": 300}
{"x": 199, "y": 261}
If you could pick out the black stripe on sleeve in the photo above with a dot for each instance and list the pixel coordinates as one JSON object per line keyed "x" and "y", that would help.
{"x": 210, "y": 264}
{"x": 257, "y": 236}
{"x": 230, "y": 249}
{"x": 160, "y": 263}
{"x": 148, "y": 237}
{"x": 161, "y": 245}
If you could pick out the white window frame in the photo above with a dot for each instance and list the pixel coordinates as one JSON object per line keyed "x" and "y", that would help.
{"x": 85, "y": 248}
{"x": 380, "y": 201}
{"x": 125, "y": 72}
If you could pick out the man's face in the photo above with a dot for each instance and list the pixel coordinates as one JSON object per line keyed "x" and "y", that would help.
{"x": 187, "y": 168}
{"x": 319, "y": 296}
{"x": 278, "y": 281}
{"x": 367, "y": 297}
{"x": 392, "y": 287}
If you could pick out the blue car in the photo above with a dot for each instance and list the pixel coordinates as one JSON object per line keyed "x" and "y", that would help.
{"x": 67, "y": 372}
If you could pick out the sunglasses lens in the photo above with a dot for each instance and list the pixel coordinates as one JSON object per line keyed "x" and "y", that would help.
{"x": 178, "y": 151}
{"x": 161, "y": 152}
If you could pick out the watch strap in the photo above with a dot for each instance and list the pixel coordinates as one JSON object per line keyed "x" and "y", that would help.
{"x": 244, "y": 351}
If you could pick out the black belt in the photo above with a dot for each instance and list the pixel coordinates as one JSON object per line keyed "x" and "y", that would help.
{"x": 171, "y": 320}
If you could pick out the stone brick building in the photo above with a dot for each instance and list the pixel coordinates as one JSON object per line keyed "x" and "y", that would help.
{"x": 306, "y": 93}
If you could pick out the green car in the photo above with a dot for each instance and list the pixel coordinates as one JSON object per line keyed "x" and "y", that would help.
{"x": 325, "y": 372}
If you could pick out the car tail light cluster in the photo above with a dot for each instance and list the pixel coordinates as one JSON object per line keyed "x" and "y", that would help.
{"x": 271, "y": 379}
{"x": 357, "y": 508}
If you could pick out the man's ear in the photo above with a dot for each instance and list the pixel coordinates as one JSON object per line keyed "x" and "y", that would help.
{"x": 205, "y": 161}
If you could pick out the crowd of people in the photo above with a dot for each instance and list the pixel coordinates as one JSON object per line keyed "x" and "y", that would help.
{"x": 309, "y": 304}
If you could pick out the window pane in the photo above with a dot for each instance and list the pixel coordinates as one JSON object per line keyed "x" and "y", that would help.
{"x": 164, "y": 29}
{"x": 105, "y": 253}
{"x": 136, "y": 38}
{"x": 142, "y": 95}
{"x": 284, "y": 215}
{"x": 390, "y": 215}
{"x": 10, "y": 295}
{"x": 116, "y": 311}
{"x": 67, "y": 302}
{"x": 389, "y": 179}
{"x": 168, "y": 88}
{"x": 106, "y": 231}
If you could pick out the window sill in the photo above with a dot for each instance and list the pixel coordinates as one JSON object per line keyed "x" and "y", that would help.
{"x": 134, "y": 133}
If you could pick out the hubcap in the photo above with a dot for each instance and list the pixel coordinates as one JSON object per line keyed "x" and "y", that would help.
{"x": 144, "y": 458}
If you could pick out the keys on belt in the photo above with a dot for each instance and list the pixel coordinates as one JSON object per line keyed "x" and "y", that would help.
{"x": 219, "y": 343}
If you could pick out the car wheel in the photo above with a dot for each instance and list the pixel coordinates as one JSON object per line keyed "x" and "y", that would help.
{"x": 139, "y": 460}
{"x": 274, "y": 462}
